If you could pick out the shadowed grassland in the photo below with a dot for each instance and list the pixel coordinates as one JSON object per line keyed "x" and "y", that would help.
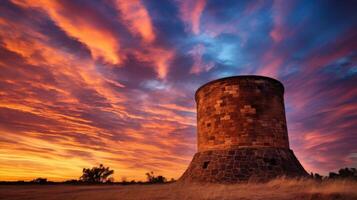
{"x": 276, "y": 189}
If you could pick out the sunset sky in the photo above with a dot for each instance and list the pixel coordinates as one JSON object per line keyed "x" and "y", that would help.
{"x": 113, "y": 81}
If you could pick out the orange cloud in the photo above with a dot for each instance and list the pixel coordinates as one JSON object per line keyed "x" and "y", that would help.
{"x": 137, "y": 18}
{"x": 57, "y": 133}
{"x": 159, "y": 57}
{"x": 30, "y": 49}
{"x": 102, "y": 43}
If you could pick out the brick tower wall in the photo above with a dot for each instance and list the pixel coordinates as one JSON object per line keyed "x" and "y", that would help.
{"x": 242, "y": 111}
{"x": 242, "y": 132}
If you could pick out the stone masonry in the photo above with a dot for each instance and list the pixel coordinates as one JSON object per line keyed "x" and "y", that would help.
{"x": 242, "y": 133}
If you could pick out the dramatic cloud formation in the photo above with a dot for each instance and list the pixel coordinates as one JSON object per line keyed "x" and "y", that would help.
{"x": 112, "y": 82}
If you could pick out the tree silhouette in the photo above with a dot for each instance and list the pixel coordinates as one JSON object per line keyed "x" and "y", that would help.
{"x": 348, "y": 173}
{"x": 39, "y": 180}
{"x": 344, "y": 173}
{"x": 316, "y": 176}
{"x": 155, "y": 179}
{"x": 99, "y": 174}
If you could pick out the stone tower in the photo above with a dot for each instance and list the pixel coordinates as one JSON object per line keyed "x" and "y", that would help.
{"x": 242, "y": 133}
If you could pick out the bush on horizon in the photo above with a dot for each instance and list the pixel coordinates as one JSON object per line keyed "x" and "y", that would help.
{"x": 99, "y": 174}
{"x": 151, "y": 178}
{"x": 343, "y": 173}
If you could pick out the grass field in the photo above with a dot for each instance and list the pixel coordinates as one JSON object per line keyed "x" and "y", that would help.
{"x": 274, "y": 190}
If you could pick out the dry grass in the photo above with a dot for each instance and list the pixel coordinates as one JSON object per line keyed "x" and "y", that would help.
{"x": 277, "y": 189}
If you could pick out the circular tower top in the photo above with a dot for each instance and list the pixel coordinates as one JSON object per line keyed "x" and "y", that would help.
{"x": 241, "y": 111}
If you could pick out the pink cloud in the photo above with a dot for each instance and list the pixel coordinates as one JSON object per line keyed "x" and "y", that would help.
{"x": 191, "y": 12}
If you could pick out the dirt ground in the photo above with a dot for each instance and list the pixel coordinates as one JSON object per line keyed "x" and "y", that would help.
{"x": 276, "y": 189}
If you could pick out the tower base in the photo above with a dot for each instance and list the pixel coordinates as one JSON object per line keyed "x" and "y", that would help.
{"x": 243, "y": 164}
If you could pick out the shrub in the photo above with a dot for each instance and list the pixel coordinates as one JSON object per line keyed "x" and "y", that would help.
{"x": 99, "y": 174}
{"x": 39, "y": 180}
{"x": 155, "y": 179}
